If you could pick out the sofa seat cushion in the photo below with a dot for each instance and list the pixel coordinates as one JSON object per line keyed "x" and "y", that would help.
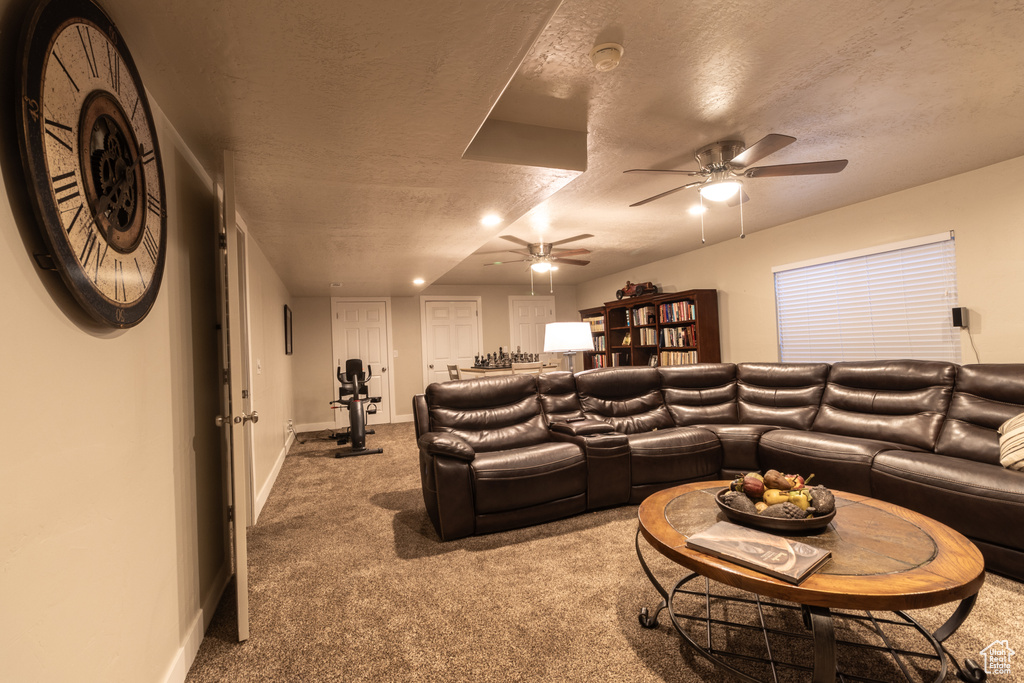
{"x": 523, "y": 477}
{"x": 977, "y": 499}
{"x": 674, "y": 455}
{"x": 739, "y": 445}
{"x": 839, "y": 462}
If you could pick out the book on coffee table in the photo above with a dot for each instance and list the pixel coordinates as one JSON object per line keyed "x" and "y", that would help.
{"x": 776, "y": 556}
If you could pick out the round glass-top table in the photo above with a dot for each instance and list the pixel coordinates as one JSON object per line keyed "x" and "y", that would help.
{"x": 884, "y": 557}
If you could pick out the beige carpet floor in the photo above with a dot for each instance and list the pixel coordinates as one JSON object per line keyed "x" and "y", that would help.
{"x": 348, "y": 582}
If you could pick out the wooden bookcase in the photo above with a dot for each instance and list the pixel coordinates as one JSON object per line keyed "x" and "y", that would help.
{"x": 596, "y": 318}
{"x": 677, "y": 328}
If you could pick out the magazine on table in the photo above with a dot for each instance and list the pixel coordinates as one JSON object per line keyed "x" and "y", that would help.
{"x": 776, "y": 556}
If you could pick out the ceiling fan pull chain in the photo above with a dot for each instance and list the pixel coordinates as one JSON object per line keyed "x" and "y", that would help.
{"x": 743, "y": 235}
{"x": 702, "y": 212}
{"x": 551, "y": 284}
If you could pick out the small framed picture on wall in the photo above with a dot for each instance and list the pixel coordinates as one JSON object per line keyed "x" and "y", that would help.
{"x": 287, "y": 331}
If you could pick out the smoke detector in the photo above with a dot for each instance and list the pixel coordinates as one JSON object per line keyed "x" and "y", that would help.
{"x": 606, "y": 56}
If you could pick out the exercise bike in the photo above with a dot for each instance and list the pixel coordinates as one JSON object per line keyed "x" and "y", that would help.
{"x": 360, "y": 404}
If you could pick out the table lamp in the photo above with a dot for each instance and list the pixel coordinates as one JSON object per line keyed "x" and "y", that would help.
{"x": 568, "y": 338}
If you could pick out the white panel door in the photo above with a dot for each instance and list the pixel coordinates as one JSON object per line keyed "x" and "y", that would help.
{"x": 527, "y": 317}
{"x": 452, "y": 336}
{"x": 236, "y": 442}
{"x": 360, "y": 331}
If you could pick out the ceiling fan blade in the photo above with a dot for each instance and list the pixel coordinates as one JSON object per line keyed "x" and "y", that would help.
{"x": 735, "y": 201}
{"x": 501, "y": 263}
{"x": 665, "y": 194}
{"x": 513, "y": 238}
{"x": 571, "y": 261}
{"x": 769, "y": 144}
{"x": 569, "y": 252}
{"x": 569, "y": 239}
{"x": 809, "y": 168}
{"x": 663, "y": 170}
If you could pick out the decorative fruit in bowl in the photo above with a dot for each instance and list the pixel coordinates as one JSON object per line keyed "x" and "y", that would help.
{"x": 777, "y": 500}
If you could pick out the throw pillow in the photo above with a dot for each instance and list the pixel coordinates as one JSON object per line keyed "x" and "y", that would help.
{"x": 1011, "y": 443}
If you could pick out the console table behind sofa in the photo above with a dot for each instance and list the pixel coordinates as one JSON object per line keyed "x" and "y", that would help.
{"x": 504, "y": 452}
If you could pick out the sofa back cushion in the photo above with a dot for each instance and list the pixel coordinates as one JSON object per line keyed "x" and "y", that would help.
{"x": 629, "y": 398}
{"x": 558, "y": 396}
{"x": 902, "y": 401}
{"x": 703, "y": 393}
{"x": 490, "y": 413}
{"x": 984, "y": 397}
{"x": 781, "y": 394}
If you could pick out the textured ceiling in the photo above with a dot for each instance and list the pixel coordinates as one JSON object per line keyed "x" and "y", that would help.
{"x": 348, "y": 120}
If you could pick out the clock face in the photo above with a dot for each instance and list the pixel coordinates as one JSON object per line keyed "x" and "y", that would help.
{"x": 92, "y": 160}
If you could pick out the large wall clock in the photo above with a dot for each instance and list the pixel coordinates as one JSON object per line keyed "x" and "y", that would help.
{"x": 91, "y": 160}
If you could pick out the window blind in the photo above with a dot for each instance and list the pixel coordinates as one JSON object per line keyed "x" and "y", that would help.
{"x": 890, "y": 304}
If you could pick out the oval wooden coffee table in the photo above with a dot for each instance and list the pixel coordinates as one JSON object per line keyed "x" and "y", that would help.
{"x": 884, "y": 557}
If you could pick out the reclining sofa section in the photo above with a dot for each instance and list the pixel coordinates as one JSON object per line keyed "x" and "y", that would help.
{"x": 505, "y": 452}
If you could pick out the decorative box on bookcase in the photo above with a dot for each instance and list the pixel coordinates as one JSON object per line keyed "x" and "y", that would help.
{"x": 674, "y": 328}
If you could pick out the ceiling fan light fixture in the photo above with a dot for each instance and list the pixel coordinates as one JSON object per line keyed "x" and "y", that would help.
{"x": 720, "y": 190}
{"x": 541, "y": 266}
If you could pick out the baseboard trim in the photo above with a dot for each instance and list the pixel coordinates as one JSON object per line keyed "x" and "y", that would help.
{"x": 186, "y": 654}
{"x": 314, "y": 426}
{"x": 408, "y": 417}
{"x": 261, "y": 498}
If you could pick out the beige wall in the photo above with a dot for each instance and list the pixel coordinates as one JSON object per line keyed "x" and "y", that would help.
{"x": 313, "y": 360}
{"x": 315, "y": 365}
{"x": 112, "y": 535}
{"x": 270, "y": 370}
{"x": 113, "y": 540}
{"x": 985, "y": 208}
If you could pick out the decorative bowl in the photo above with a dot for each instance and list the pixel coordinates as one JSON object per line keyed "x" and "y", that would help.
{"x": 773, "y": 523}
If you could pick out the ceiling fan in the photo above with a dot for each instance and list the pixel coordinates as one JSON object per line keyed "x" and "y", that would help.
{"x": 543, "y": 257}
{"x": 723, "y": 163}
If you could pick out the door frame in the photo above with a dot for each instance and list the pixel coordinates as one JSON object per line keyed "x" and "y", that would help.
{"x": 390, "y": 342}
{"x": 424, "y": 298}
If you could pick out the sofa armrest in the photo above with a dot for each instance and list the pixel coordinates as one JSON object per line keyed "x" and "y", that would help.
{"x": 586, "y": 427}
{"x": 444, "y": 443}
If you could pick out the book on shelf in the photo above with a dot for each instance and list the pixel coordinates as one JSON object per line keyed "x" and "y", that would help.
{"x": 776, "y": 556}
{"x": 679, "y": 311}
{"x": 678, "y": 357}
{"x": 643, "y": 315}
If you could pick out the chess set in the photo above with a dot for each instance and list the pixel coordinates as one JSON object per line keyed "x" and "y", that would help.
{"x": 504, "y": 359}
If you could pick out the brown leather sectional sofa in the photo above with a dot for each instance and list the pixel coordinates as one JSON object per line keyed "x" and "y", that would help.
{"x": 505, "y": 452}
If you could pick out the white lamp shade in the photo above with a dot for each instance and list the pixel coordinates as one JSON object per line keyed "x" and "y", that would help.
{"x": 563, "y": 337}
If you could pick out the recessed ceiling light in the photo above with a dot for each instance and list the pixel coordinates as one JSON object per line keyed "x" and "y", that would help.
{"x": 418, "y": 281}
{"x": 697, "y": 209}
{"x": 490, "y": 220}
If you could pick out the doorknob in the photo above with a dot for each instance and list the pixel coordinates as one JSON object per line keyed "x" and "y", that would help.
{"x": 220, "y": 421}
{"x": 431, "y": 366}
{"x": 251, "y": 417}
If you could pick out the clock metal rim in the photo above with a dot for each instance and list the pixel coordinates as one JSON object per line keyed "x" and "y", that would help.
{"x": 40, "y": 30}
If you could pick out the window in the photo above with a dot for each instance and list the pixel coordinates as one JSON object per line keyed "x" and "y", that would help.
{"x": 890, "y": 302}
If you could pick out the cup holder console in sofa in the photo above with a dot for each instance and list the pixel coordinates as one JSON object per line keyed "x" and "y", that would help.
{"x": 504, "y": 452}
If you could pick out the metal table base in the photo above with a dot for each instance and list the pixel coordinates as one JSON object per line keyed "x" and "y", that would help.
{"x": 817, "y": 641}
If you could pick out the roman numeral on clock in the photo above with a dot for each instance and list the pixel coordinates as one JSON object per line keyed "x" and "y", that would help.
{"x": 90, "y": 54}
{"x": 65, "y": 187}
{"x": 51, "y": 125}
{"x": 113, "y": 69}
{"x": 121, "y": 295}
{"x": 149, "y": 242}
{"x": 88, "y": 248}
